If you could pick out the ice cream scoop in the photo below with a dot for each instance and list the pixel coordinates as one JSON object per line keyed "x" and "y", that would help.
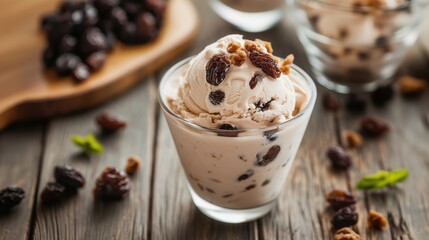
{"x": 239, "y": 82}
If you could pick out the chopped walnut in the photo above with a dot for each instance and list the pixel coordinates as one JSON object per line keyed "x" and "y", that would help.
{"x": 352, "y": 139}
{"x": 265, "y": 44}
{"x": 346, "y": 234}
{"x": 377, "y": 220}
{"x": 411, "y": 87}
{"x": 285, "y": 65}
{"x": 133, "y": 164}
{"x": 233, "y": 47}
{"x": 238, "y": 58}
{"x": 251, "y": 45}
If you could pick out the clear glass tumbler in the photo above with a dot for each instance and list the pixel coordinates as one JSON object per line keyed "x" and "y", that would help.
{"x": 250, "y": 15}
{"x": 235, "y": 176}
{"x": 358, "y": 48}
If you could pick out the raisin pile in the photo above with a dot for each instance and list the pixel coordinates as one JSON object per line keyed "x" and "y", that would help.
{"x": 67, "y": 181}
{"x": 112, "y": 185}
{"x": 10, "y": 197}
{"x": 80, "y": 34}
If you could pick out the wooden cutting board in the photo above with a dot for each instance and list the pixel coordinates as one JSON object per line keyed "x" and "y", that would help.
{"x": 28, "y": 91}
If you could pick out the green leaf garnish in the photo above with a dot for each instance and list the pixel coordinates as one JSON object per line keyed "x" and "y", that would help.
{"x": 382, "y": 178}
{"x": 89, "y": 143}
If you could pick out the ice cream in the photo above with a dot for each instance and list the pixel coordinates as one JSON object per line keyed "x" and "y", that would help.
{"x": 246, "y": 98}
{"x": 236, "y": 134}
{"x": 357, "y": 41}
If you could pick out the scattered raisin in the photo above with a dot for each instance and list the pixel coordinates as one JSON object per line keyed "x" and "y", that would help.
{"x": 255, "y": 79}
{"x": 245, "y": 175}
{"x": 110, "y": 123}
{"x": 217, "y": 68}
{"x": 53, "y": 192}
{"x": 252, "y": 186}
{"x": 377, "y": 220}
{"x": 345, "y": 217}
{"x": 69, "y": 177}
{"x": 382, "y": 95}
{"x": 112, "y": 185}
{"x": 133, "y": 164}
{"x": 216, "y": 97}
{"x": 229, "y": 127}
{"x": 330, "y": 103}
{"x": 352, "y": 139}
{"x": 340, "y": 159}
{"x": 355, "y": 104}
{"x": 265, "y": 62}
{"x": 346, "y": 234}
{"x": 268, "y": 157}
{"x": 373, "y": 127}
{"x": 411, "y": 87}
{"x": 10, "y": 197}
{"x": 339, "y": 199}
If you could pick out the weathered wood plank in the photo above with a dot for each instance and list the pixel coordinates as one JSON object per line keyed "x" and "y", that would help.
{"x": 81, "y": 217}
{"x": 174, "y": 214}
{"x": 20, "y": 157}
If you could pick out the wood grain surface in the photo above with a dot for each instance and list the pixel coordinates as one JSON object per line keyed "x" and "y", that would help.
{"x": 29, "y": 91}
{"x": 160, "y": 205}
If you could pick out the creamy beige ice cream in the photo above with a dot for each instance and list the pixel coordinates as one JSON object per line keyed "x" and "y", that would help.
{"x": 237, "y": 115}
{"x": 283, "y": 97}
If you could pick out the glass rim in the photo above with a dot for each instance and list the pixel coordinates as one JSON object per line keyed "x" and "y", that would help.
{"x": 367, "y": 9}
{"x": 295, "y": 69}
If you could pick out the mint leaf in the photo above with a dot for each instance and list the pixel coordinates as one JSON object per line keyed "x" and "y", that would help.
{"x": 89, "y": 143}
{"x": 382, "y": 179}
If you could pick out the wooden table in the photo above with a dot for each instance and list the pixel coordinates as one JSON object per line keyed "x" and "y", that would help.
{"x": 160, "y": 206}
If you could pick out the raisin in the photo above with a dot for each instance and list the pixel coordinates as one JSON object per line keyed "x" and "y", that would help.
{"x": 355, "y": 104}
{"x": 96, "y": 60}
{"x": 269, "y": 134}
{"x": 252, "y": 186}
{"x": 340, "y": 159}
{"x": 382, "y": 95}
{"x": 146, "y": 28}
{"x": 377, "y": 220}
{"x": 10, "y": 197}
{"x": 133, "y": 164}
{"x": 68, "y": 44}
{"x": 217, "y": 68}
{"x": 66, "y": 63}
{"x": 339, "y": 199}
{"x": 228, "y": 195}
{"x": 80, "y": 72}
{"x": 110, "y": 123}
{"x": 254, "y": 81}
{"x": 263, "y": 106}
{"x": 245, "y": 175}
{"x": 69, "y": 177}
{"x": 346, "y": 234}
{"x": 216, "y": 97}
{"x": 265, "y": 62}
{"x": 53, "y": 192}
{"x": 93, "y": 40}
{"x": 373, "y": 127}
{"x": 330, "y": 103}
{"x": 49, "y": 57}
{"x": 345, "y": 217}
{"x": 112, "y": 185}
{"x": 268, "y": 157}
{"x": 229, "y": 127}
{"x": 265, "y": 182}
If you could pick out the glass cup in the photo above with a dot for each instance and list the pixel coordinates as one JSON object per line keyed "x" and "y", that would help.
{"x": 235, "y": 176}
{"x": 250, "y": 15}
{"x": 355, "y": 49}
